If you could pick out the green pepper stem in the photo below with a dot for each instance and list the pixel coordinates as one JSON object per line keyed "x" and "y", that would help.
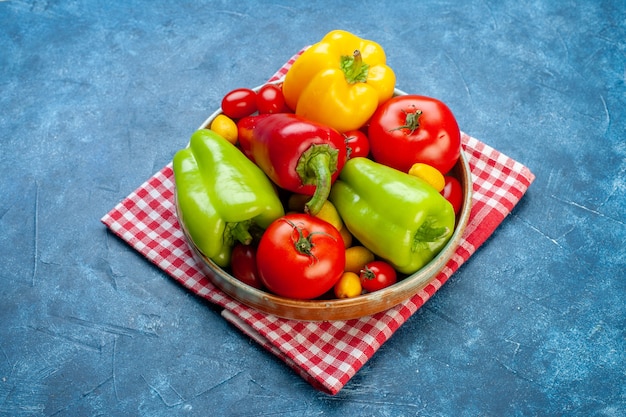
{"x": 319, "y": 164}
{"x": 240, "y": 232}
{"x": 428, "y": 233}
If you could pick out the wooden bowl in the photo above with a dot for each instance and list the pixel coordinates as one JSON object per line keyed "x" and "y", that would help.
{"x": 348, "y": 308}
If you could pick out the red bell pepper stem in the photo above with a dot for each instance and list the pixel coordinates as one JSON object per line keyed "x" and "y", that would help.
{"x": 296, "y": 154}
{"x": 317, "y": 172}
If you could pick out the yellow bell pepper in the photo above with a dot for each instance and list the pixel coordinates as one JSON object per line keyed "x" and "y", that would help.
{"x": 339, "y": 81}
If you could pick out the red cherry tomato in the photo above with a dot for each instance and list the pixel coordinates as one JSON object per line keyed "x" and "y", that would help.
{"x": 300, "y": 256}
{"x": 410, "y": 128}
{"x": 270, "y": 99}
{"x": 239, "y": 103}
{"x": 377, "y": 275}
{"x": 243, "y": 265}
{"x": 357, "y": 143}
{"x": 453, "y": 192}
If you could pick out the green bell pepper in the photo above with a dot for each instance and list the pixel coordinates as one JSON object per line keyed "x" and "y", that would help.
{"x": 221, "y": 195}
{"x": 397, "y": 216}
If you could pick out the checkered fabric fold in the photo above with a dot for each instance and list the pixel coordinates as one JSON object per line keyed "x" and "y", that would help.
{"x": 326, "y": 354}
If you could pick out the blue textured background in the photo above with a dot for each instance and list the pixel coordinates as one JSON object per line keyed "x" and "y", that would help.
{"x": 97, "y": 96}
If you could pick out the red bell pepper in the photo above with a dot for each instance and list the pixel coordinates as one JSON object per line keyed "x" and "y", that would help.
{"x": 296, "y": 154}
{"x": 245, "y": 127}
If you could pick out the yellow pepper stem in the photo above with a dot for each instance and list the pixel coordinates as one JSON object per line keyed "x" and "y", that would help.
{"x": 354, "y": 68}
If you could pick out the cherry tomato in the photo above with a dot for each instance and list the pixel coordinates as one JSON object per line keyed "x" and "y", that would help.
{"x": 225, "y": 127}
{"x": 348, "y": 286}
{"x": 357, "y": 143}
{"x": 356, "y": 258}
{"x": 239, "y": 103}
{"x": 270, "y": 99}
{"x": 330, "y": 214}
{"x": 300, "y": 256}
{"x": 428, "y": 174}
{"x": 243, "y": 265}
{"x": 409, "y": 128}
{"x": 377, "y": 275}
{"x": 346, "y": 236}
{"x": 453, "y": 192}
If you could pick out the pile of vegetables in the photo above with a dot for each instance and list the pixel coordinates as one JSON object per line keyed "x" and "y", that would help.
{"x": 326, "y": 184}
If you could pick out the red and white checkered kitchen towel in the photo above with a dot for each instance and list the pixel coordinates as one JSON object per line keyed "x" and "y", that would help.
{"x": 326, "y": 354}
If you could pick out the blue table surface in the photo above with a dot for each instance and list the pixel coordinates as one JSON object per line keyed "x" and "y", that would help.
{"x": 97, "y": 96}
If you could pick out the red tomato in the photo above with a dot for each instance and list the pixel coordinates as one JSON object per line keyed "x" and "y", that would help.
{"x": 377, "y": 275}
{"x": 270, "y": 99}
{"x": 239, "y": 103}
{"x": 243, "y": 265}
{"x": 358, "y": 144}
{"x": 300, "y": 256}
{"x": 453, "y": 192}
{"x": 410, "y": 128}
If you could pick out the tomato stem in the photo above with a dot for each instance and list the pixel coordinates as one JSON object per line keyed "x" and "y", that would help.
{"x": 411, "y": 121}
{"x": 367, "y": 273}
{"x": 303, "y": 245}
